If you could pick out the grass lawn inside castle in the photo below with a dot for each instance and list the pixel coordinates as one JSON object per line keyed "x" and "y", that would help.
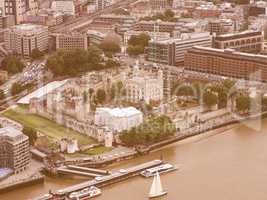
{"x": 47, "y": 127}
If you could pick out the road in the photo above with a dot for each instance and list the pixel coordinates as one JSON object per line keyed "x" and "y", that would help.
{"x": 85, "y": 20}
{"x": 31, "y": 73}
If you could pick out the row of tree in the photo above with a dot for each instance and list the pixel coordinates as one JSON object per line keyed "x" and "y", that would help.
{"x": 72, "y": 63}
{"x": 149, "y": 132}
{"x": 168, "y": 15}
{"x": 31, "y": 133}
{"x": 17, "y": 88}
{"x": 211, "y": 94}
{"x": 12, "y": 64}
{"x": 100, "y": 96}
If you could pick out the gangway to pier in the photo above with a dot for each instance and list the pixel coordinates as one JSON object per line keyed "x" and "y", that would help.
{"x": 65, "y": 170}
{"x": 89, "y": 170}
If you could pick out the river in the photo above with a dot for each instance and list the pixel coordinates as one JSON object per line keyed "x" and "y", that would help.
{"x": 228, "y": 166}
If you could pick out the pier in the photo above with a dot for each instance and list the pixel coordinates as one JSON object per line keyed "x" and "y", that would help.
{"x": 101, "y": 181}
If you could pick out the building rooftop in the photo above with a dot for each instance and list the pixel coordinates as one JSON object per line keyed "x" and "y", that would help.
{"x": 183, "y": 37}
{"x": 98, "y": 33}
{"x": 239, "y": 34}
{"x": 11, "y": 132}
{"x": 121, "y": 112}
{"x": 65, "y": 6}
{"x": 116, "y": 16}
{"x": 39, "y": 93}
{"x": 28, "y": 29}
{"x": 250, "y": 56}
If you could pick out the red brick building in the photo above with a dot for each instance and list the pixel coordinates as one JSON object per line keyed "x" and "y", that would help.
{"x": 226, "y": 62}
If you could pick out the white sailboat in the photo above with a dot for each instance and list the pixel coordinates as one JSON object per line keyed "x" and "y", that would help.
{"x": 156, "y": 187}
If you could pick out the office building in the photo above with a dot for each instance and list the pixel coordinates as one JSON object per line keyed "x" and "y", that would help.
{"x": 7, "y": 21}
{"x": 20, "y": 8}
{"x": 226, "y": 62}
{"x": 71, "y": 41}
{"x": 159, "y": 35}
{"x": 159, "y": 4}
{"x": 172, "y": 51}
{"x": 95, "y": 37}
{"x": 22, "y": 39}
{"x": 14, "y": 149}
{"x": 121, "y": 23}
{"x": 155, "y": 26}
{"x": 247, "y": 41}
{"x": 221, "y": 26}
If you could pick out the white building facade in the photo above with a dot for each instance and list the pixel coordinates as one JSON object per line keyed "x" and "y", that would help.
{"x": 118, "y": 119}
{"x": 144, "y": 87}
{"x": 23, "y": 38}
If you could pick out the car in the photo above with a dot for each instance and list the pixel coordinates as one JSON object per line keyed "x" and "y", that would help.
{"x": 98, "y": 178}
{"x": 122, "y": 171}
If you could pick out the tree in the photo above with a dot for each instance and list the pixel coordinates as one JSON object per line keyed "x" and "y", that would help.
{"x": 197, "y": 86}
{"x": 142, "y": 39}
{"x": 113, "y": 91}
{"x": 91, "y": 92}
{"x": 121, "y": 11}
{"x": 119, "y": 86}
{"x": 137, "y": 44}
{"x": 110, "y": 46}
{"x": 154, "y": 130}
{"x": 112, "y": 63}
{"x": 94, "y": 55}
{"x": 31, "y": 133}
{"x": 12, "y": 64}
{"x": 210, "y": 98}
{"x": 221, "y": 92}
{"x": 216, "y": 2}
{"x": 75, "y": 62}
{"x": 135, "y": 50}
{"x": 228, "y": 84}
{"x": 185, "y": 90}
{"x": 16, "y": 88}
{"x": 243, "y": 103}
{"x": 2, "y": 94}
{"x": 36, "y": 54}
{"x": 148, "y": 107}
{"x": 169, "y": 14}
{"x": 101, "y": 95}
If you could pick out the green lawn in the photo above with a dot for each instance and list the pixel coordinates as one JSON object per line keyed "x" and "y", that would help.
{"x": 90, "y": 152}
{"x": 45, "y": 126}
{"x": 98, "y": 150}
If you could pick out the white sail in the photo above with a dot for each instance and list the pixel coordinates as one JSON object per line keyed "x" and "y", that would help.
{"x": 153, "y": 189}
{"x": 159, "y": 189}
{"x": 156, "y": 188}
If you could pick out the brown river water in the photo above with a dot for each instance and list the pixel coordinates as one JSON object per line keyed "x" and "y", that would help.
{"x": 228, "y": 166}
